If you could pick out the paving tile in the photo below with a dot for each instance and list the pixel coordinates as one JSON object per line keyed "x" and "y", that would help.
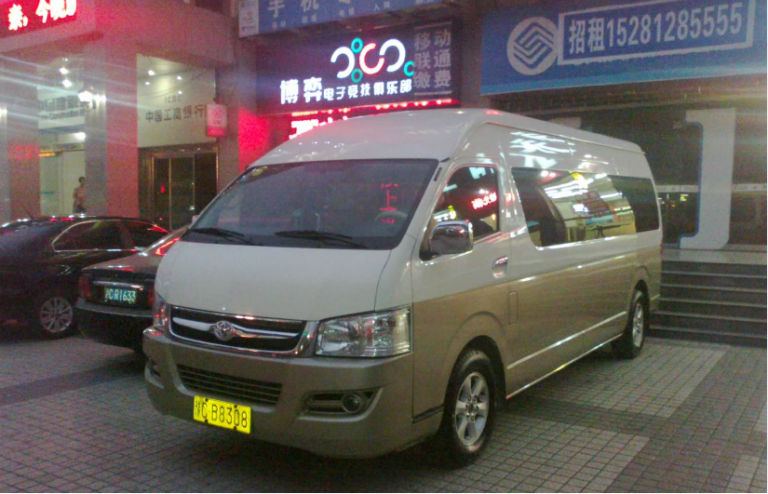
{"x": 685, "y": 424}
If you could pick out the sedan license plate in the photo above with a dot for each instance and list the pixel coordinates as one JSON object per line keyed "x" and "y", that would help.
{"x": 223, "y": 414}
{"x": 120, "y": 296}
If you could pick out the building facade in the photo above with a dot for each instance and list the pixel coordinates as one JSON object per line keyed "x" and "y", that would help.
{"x": 123, "y": 92}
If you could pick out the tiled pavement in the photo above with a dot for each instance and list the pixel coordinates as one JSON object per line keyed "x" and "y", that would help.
{"x": 684, "y": 417}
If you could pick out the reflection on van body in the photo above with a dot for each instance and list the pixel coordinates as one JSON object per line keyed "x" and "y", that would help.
{"x": 391, "y": 279}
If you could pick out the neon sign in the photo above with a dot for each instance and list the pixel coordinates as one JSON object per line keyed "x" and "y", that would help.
{"x": 356, "y": 52}
{"x": 28, "y": 15}
{"x": 363, "y": 50}
{"x": 482, "y": 202}
{"x": 404, "y": 65}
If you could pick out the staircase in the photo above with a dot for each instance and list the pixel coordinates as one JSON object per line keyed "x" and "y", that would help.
{"x": 709, "y": 301}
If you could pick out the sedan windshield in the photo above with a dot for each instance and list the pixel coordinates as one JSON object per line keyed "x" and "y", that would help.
{"x": 354, "y": 204}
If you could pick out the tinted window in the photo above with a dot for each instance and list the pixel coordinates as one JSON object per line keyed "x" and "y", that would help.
{"x": 645, "y": 205}
{"x": 144, "y": 234}
{"x": 328, "y": 204}
{"x": 90, "y": 236}
{"x": 27, "y": 237}
{"x": 562, "y": 207}
{"x": 472, "y": 193}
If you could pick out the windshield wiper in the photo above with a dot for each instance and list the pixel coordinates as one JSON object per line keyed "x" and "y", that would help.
{"x": 227, "y": 234}
{"x": 321, "y": 236}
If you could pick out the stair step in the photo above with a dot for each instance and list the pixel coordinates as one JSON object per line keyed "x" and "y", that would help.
{"x": 737, "y": 325}
{"x": 714, "y": 308}
{"x": 711, "y": 267}
{"x": 714, "y": 279}
{"x": 725, "y": 294}
{"x": 708, "y": 335}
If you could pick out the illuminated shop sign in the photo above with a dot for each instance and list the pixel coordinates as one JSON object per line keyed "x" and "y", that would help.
{"x": 596, "y": 42}
{"x": 417, "y": 63}
{"x": 263, "y": 16}
{"x": 308, "y": 120}
{"x": 22, "y": 16}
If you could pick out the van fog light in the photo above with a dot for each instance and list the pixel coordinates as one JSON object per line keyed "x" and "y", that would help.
{"x": 345, "y": 403}
{"x": 351, "y": 403}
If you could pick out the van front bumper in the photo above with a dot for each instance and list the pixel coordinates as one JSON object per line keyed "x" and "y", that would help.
{"x": 385, "y": 425}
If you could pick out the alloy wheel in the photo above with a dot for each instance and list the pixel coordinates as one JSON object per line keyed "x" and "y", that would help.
{"x": 56, "y": 315}
{"x": 472, "y": 408}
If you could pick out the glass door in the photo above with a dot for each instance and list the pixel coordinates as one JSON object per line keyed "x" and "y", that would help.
{"x": 180, "y": 185}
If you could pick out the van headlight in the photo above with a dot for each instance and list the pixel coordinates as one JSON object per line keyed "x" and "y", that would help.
{"x": 161, "y": 314}
{"x": 379, "y": 334}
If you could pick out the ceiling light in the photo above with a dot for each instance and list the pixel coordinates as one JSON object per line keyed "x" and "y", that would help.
{"x": 66, "y": 83}
{"x": 85, "y": 96}
{"x": 64, "y": 71}
{"x": 80, "y": 135}
{"x": 180, "y": 92}
{"x": 147, "y": 83}
{"x": 179, "y": 77}
{"x": 151, "y": 72}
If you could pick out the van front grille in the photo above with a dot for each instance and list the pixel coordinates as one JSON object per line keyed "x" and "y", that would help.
{"x": 247, "y": 332}
{"x": 206, "y": 382}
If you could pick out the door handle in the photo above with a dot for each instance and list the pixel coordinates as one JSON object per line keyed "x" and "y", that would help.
{"x": 500, "y": 262}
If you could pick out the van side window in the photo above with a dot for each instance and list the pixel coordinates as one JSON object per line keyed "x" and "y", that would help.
{"x": 472, "y": 193}
{"x": 545, "y": 224}
{"x": 563, "y": 207}
{"x": 642, "y": 200}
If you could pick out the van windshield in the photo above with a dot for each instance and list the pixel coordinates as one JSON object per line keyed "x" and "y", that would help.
{"x": 350, "y": 204}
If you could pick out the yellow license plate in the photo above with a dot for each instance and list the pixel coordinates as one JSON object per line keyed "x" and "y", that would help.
{"x": 223, "y": 414}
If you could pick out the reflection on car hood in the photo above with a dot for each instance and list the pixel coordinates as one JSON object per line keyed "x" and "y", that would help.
{"x": 276, "y": 282}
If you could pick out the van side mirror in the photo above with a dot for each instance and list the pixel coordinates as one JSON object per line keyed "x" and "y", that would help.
{"x": 451, "y": 237}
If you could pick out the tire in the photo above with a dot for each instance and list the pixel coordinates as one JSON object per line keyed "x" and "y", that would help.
{"x": 470, "y": 410}
{"x": 54, "y": 315}
{"x": 630, "y": 343}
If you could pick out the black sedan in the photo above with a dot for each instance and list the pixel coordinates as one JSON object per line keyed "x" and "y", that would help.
{"x": 115, "y": 304}
{"x": 41, "y": 260}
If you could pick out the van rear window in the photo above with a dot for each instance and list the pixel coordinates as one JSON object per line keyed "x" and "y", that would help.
{"x": 350, "y": 204}
{"x": 564, "y": 207}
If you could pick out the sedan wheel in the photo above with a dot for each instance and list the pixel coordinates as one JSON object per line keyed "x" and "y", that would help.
{"x": 56, "y": 316}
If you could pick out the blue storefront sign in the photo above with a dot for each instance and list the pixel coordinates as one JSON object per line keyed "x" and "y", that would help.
{"x": 600, "y": 42}
{"x": 263, "y": 16}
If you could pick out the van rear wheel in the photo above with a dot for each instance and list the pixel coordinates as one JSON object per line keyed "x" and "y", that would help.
{"x": 630, "y": 344}
{"x": 470, "y": 410}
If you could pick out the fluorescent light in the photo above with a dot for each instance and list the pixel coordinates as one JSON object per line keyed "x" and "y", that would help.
{"x": 147, "y": 83}
{"x": 85, "y": 96}
{"x": 180, "y": 92}
{"x": 80, "y": 135}
{"x": 179, "y": 77}
{"x": 151, "y": 72}
{"x": 66, "y": 83}
{"x": 64, "y": 71}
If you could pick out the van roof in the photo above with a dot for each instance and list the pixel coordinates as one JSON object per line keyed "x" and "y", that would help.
{"x": 424, "y": 134}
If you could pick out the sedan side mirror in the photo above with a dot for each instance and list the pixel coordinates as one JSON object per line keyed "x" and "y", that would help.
{"x": 451, "y": 237}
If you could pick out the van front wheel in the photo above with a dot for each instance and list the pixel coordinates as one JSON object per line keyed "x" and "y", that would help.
{"x": 470, "y": 409}
{"x": 630, "y": 344}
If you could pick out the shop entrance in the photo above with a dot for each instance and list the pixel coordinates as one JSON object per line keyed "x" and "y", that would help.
{"x": 176, "y": 184}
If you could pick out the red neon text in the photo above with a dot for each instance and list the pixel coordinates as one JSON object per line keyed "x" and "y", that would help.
{"x": 481, "y": 202}
{"x": 55, "y": 10}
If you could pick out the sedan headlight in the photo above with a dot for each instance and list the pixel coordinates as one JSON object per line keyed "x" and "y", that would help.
{"x": 379, "y": 334}
{"x": 161, "y": 314}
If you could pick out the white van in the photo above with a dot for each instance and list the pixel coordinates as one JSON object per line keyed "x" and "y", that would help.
{"x": 387, "y": 279}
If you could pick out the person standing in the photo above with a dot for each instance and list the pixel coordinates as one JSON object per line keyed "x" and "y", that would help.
{"x": 79, "y": 197}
